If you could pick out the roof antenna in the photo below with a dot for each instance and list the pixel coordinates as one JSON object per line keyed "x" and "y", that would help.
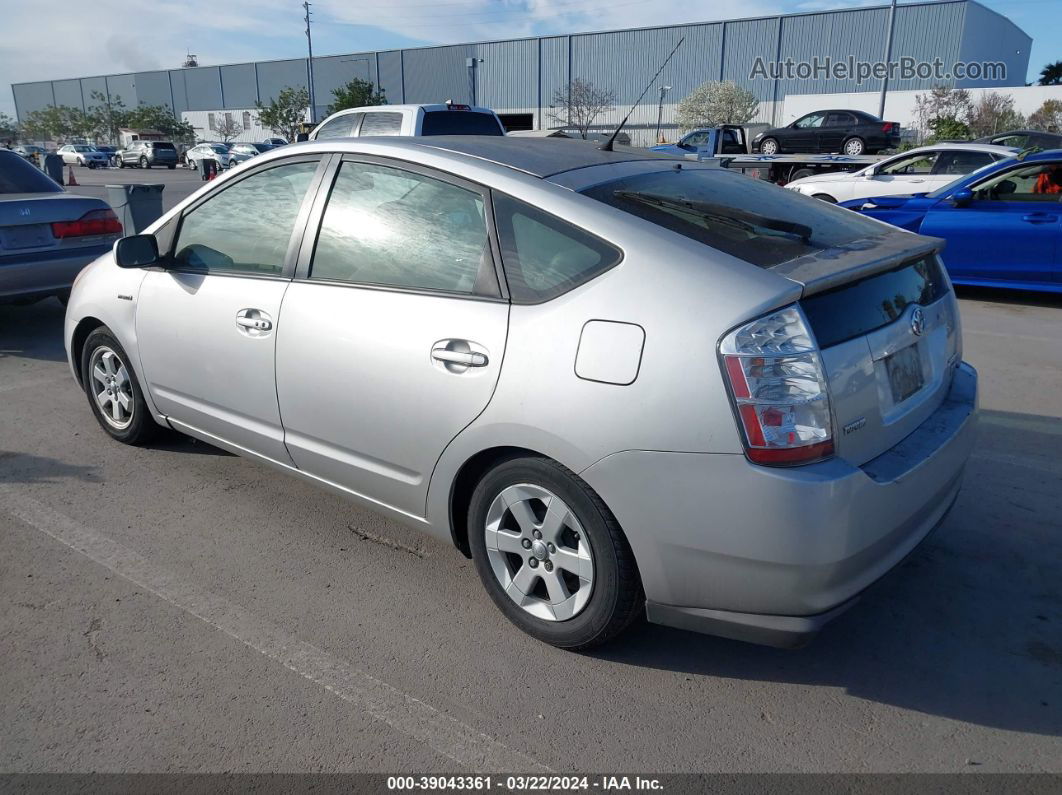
{"x": 607, "y": 146}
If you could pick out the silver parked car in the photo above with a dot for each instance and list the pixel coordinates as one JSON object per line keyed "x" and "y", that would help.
{"x": 621, "y": 383}
{"x": 207, "y": 151}
{"x": 83, "y": 155}
{"x": 239, "y": 153}
{"x": 46, "y": 234}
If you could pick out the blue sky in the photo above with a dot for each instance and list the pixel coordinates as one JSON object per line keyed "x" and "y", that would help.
{"x": 241, "y": 30}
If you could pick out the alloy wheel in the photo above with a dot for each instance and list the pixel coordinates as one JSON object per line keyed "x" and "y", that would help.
{"x": 539, "y": 553}
{"x": 111, "y": 387}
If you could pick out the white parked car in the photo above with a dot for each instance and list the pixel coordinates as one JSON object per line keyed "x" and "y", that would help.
{"x": 916, "y": 171}
{"x": 443, "y": 119}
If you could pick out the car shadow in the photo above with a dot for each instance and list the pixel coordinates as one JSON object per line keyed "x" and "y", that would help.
{"x": 173, "y": 442}
{"x": 967, "y": 628}
{"x": 998, "y": 295}
{"x": 34, "y": 331}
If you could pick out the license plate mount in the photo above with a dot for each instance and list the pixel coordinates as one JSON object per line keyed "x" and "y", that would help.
{"x": 904, "y": 369}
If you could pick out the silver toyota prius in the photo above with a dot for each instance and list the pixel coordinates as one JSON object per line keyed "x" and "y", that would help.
{"x": 621, "y": 383}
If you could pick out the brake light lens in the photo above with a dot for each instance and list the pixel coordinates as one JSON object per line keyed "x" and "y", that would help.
{"x": 778, "y": 385}
{"x": 887, "y": 127}
{"x": 92, "y": 223}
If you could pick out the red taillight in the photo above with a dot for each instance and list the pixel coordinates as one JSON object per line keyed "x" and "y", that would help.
{"x": 778, "y": 386}
{"x": 887, "y": 127}
{"x": 92, "y": 223}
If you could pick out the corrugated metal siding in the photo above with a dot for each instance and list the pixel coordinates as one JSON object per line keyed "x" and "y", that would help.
{"x": 30, "y": 97}
{"x": 814, "y": 38}
{"x": 152, "y": 88}
{"x": 122, "y": 86}
{"x": 926, "y": 31}
{"x": 523, "y": 75}
{"x": 202, "y": 88}
{"x": 985, "y": 31}
{"x": 437, "y": 74}
{"x": 93, "y": 85}
{"x": 238, "y": 85}
{"x": 743, "y": 43}
{"x": 507, "y": 78}
{"x": 275, "y": 76}
{"x": 68, "y": 92}
{"x": 391, "y": 76}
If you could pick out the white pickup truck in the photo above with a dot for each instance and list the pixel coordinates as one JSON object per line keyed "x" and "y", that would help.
{"x": 443, "y": 119}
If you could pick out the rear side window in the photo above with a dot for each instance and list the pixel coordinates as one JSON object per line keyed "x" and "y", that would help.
{"x": 747, "y": 218}
{"x": 459, "y": 122}
{"x": 397, "y": 228}
{"x": 162, "y": 145}
{"x": 545, "y": 256}
{"x": 381, "y": 124}
{"x": 339, "y": 127}
{"x": 19, "y": 176}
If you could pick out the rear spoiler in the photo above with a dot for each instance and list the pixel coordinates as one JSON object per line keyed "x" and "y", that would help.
{"x": 832, "y": 267}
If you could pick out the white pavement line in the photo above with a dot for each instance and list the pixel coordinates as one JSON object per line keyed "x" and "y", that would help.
{"x": 402, "y": 712}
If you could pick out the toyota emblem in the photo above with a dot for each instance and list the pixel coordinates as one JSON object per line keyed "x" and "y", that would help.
{"x": 918, "y": 322}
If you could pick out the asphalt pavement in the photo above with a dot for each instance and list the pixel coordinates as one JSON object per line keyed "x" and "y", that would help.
{"x": 176, "y": 608}
{"x": 177, "y": 184}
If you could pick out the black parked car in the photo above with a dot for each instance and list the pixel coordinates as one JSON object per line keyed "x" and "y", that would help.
{"x": 852, "y": 132}
{"x": 146, "y": 154}
{"x": 1024, "y": 139}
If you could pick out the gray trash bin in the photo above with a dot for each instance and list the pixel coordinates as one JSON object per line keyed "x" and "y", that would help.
{"x": 53, "y": 167}
{"x": 137, "y": 206}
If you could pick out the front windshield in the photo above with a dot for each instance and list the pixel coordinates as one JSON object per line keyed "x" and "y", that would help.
{"x": 944, "y": 190}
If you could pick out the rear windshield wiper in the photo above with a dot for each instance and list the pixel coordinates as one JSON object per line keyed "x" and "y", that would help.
{"x": 743, "y": 218}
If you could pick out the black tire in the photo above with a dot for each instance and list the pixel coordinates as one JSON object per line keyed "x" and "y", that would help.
{"x": 767, "y": 142}
{"x": 171, "y": 168}
{"x": 142, "y": 427}
{"x": 191, "y": 165}
{"x": 121, "y": 163}
{"x": 824, "y": 197}
{"x": 81, "y": 162}
{"x": 144, "y": 163}
{"x": 800, "y": 173}
{"x": 616, "y": 599}
{"x": 857, "y": 145}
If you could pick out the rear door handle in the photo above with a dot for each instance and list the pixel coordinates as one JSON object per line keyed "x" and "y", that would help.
{"x": 1039, "y": 218}
{"x": 253, "y": 320}
{"x": 468, "y": 359}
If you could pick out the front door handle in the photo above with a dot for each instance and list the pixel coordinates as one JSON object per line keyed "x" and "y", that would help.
{"x": 466, "y": 358}
{"x": 1039, "y": 218}
{"x": 253, "y": 322}
{"x": 257, "y": 323}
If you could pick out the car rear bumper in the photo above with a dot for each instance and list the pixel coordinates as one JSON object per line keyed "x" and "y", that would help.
{"x": 770, "y": 555}
{"x": 43, "y": 274}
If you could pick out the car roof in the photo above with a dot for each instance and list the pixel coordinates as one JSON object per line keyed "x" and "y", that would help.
{"x": 427, "y": 107}
{"x": 540, "y": 157}
{"x": 970, "y": 146}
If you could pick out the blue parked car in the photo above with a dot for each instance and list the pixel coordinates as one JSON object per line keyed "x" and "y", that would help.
{"x": 726, "y": 139}
{"x": 1003, "y": 223}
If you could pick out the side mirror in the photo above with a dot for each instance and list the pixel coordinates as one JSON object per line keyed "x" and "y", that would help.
{"x": 136, "y": 251}
{"x": 302, "y": 137}
{"x": 962, "y": 197}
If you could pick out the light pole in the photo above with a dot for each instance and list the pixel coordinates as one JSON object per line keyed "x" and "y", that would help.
{"x": 888, "y": 58}
{"x": 660, "y": 110}
{"x": 309, "y": 64}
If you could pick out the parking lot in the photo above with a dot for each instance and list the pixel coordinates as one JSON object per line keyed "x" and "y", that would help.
{"x": 176, "y": 608}
{"x": 179, "y": 183}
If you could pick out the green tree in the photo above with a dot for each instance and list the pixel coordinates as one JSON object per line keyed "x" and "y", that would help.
{"x": 1051, "y": 75}
{"x": 57, "y": 123}
{"x": 8, "y": 128}
{"x": 993, "y": 113}
{"x": 947, "y": 128}
{"x": 161, "y": 118}
{"x": 717, "y": 102}
{"x": 107, "y": 114}
{"x": 1047, "y": 117}
{"x": 285, "y": 113}
{"x": 356, "y": 94}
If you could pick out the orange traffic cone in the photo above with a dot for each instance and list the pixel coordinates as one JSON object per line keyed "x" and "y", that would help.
{"x": 71, "y": 181}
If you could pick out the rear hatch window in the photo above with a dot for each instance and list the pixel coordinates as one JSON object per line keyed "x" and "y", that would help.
{"x": 746, "y": 218}
{"x": 459, "y": 122}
